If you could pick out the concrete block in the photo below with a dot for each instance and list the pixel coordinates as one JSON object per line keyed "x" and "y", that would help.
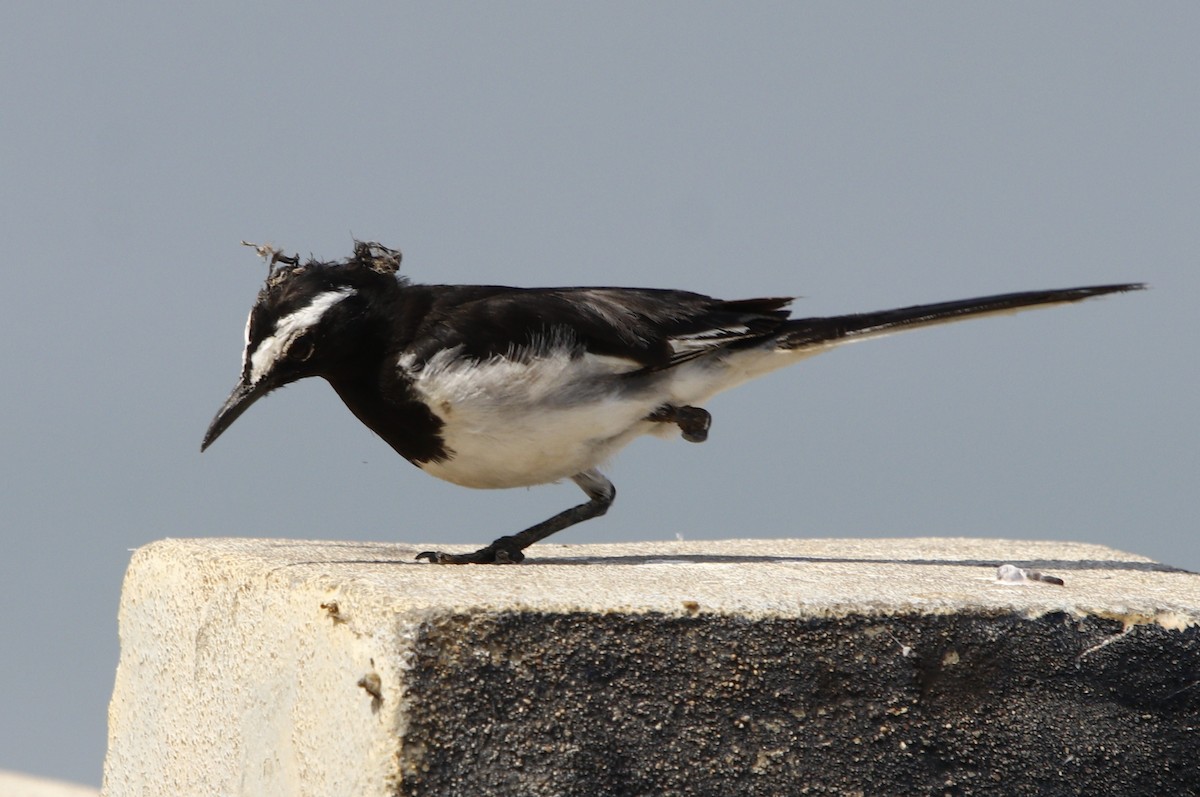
{"x": 18, "y": 784}
{"x": 772, "y": 667}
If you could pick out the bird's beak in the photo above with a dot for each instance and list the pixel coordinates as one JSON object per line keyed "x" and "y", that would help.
{"x": 238, "y": 402}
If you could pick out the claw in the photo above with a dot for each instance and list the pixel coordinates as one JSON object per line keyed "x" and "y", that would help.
{"x": 693, "y": 422}
{"x": 484, "y": 556}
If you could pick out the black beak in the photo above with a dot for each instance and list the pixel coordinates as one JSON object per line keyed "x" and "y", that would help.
{"x": 238, "y": 402}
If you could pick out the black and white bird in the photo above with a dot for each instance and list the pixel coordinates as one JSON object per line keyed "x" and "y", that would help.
{"x": 489, "y": 386}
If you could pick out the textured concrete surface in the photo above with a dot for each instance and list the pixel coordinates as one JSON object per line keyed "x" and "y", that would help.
{"x": 739, "y": 667}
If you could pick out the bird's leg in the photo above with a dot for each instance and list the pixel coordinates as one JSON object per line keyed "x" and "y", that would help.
{"x": 507, "y": 550}
{"x": 693, "y": 422}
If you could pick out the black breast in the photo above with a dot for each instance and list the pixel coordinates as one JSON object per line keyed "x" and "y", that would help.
{"x": 393, "y": 413}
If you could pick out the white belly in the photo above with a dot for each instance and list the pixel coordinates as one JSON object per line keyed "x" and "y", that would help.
{"x": 515, "y": 424}
{"x": 536, "y": 447}
{"x": 509, "y": 423}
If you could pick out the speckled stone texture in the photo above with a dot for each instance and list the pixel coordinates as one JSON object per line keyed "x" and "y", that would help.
{"x": 653, "y": 705}
{"x": 765, "y": 667}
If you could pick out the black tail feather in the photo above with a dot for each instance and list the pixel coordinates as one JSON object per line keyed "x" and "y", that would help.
{"x": 804, "y": 332}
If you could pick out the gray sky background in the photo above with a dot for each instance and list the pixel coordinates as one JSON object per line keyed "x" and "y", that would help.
{"x": 861, "y": 155}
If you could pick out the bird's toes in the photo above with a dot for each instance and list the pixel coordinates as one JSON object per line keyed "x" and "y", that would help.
{"x": 484, "y": 556}
{"x": 694, "y": 423}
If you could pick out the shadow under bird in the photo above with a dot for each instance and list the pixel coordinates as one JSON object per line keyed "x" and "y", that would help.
{"x": 489, "y": 386}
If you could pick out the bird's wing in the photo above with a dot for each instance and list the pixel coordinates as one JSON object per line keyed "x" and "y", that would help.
{"x": 653, "y": 329}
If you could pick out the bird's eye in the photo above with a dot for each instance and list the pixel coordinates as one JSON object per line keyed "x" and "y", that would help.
{"x": 303, "y": 348}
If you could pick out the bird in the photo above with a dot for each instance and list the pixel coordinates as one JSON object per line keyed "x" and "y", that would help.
{"x": 490, "y": 387}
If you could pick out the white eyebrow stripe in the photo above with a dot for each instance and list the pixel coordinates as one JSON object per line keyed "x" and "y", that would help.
{"x": 246, "y": 344}
{"x": 290, "y": 327}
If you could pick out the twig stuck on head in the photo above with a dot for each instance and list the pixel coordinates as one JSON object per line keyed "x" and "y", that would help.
{"x": 377, "y": 257}
{"x": 272, "y": 255}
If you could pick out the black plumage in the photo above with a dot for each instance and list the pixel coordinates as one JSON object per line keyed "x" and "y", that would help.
{"x": 494, "y": 386}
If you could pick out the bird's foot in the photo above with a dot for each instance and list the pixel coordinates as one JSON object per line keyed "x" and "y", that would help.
{"x": 491, "y": 555}
{"x": 693, "y": 422}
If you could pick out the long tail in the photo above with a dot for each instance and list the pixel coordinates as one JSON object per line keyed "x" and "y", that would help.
{"x": 800, "y": 333}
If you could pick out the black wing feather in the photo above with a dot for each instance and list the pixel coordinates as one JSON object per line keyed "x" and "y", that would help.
{"x": 635, "y": 324}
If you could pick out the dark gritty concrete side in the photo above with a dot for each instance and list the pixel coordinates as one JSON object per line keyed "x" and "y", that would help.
{"x": 620, "y": 705}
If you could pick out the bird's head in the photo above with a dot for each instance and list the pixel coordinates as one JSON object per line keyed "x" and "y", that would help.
{"x": 306, "y": 319}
